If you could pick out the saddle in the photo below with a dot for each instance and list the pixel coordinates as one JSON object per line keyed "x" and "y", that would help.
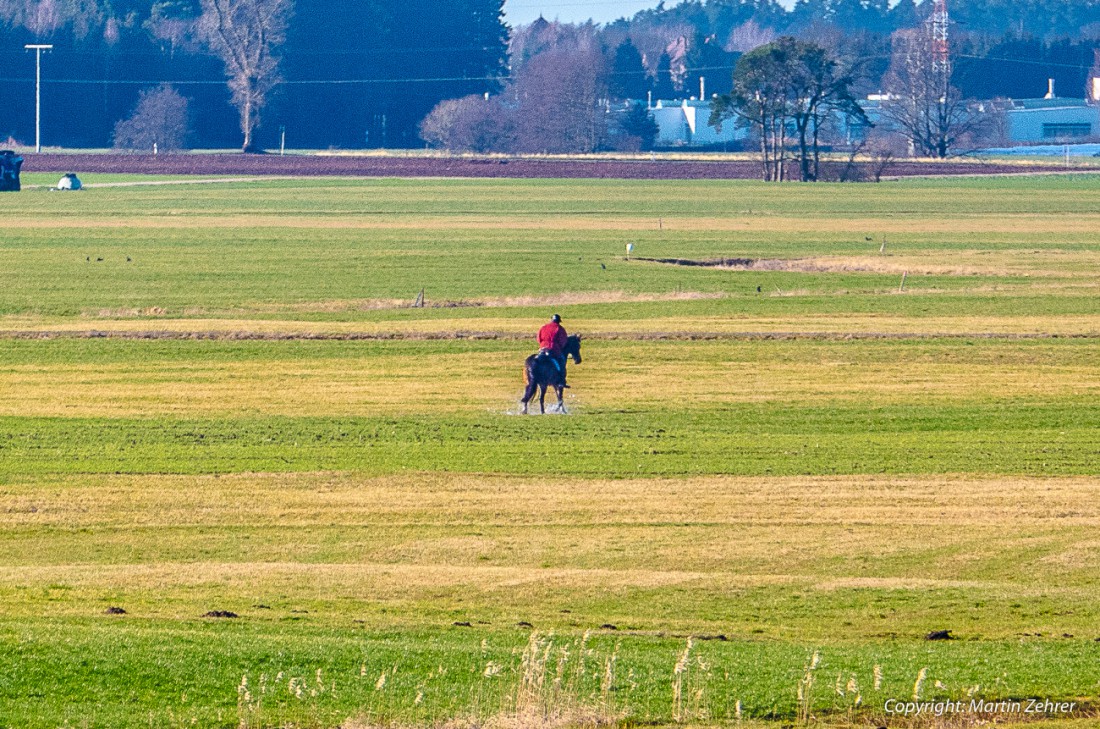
{"x": 557, "y": 362}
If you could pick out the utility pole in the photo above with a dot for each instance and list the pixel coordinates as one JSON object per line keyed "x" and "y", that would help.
{"x": 37, "y": 48}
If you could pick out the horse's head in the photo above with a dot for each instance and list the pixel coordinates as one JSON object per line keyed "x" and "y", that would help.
{"x": 573, "y": 347}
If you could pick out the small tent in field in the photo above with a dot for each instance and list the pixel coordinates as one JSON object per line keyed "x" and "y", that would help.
{"x": 10, "y": 163}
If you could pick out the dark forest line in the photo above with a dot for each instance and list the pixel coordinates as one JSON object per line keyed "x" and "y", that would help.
{"x": 364, "y": 73}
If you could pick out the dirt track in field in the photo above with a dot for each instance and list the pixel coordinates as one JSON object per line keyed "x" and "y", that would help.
{"x": 674, "y": 336}
{"x": 299, "y": 165}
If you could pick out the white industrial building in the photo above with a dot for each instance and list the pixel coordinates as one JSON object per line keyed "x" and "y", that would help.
{"x": 686, "y": 123}
{"x": 1022, "y": 121}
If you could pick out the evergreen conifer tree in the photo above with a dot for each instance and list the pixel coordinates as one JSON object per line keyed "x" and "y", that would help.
{"x": 629, "y": 79}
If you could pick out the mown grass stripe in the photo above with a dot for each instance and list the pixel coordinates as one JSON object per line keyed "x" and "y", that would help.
{"x": 1006, "y": 438}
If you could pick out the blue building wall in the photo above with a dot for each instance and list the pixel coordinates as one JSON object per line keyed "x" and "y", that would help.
{"x": 1048, "y": 120}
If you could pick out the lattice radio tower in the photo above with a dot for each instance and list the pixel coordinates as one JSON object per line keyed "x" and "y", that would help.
{"x": 941, "y": 57}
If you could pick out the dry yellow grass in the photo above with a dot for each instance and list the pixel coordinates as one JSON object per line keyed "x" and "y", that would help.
{"x": 339, "y": 499}
{"x": 690, "y": 374}
{"x": 962, "y": 263}
{"x": 290, "y": 501}
{"x": 571, "y": 298}
{"x": 522, "y": 547}
{"x": 855, "y": 324}
{"x": 1081, "y": 224}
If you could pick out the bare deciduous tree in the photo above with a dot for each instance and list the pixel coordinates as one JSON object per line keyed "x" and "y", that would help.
{"x": 868, "y": 159}
{"x": 922, "y": 104}
{"x": 651, "y": 38}
{"x": 245, "y": 35}
{"x": 560, "y": 100}
{"x": 45, "y": 19}
{"x": 748, "y": 36}
{"x": 160, "y": 118}
{"x": 470, "y": 124}
{"x": 170, "y": 24}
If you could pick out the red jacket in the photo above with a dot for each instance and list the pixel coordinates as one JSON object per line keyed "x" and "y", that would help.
{"x": 552, "y": 336}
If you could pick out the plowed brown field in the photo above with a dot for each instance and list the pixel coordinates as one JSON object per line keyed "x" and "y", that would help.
{"x": 241, "y": 164}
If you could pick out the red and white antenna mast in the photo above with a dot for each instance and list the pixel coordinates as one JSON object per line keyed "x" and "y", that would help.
{"x": 941, "y": 57}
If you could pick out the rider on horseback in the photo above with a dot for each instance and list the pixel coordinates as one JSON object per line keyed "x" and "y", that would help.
{"x": 552, "y": 339}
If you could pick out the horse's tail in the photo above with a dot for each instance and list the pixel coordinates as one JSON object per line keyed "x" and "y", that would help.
{"x": 528, "y": 367}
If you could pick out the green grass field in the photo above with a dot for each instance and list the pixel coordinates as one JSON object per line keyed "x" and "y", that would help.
{"x": 774, "y": 480}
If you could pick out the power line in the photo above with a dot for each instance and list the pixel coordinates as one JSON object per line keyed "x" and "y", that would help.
{"x": 1024, "y": 61}
{"x": 133, "y": 82}
{"x": 317, "y": 82}
{"x": 283, "y": 52}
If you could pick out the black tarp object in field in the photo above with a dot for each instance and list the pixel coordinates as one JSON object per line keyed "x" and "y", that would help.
{"x": 10, "y": 163}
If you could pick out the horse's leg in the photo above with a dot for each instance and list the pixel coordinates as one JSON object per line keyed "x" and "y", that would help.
{"x": 528, "y": 393}
{"x": 529, "y": 383}
{"x": 561, "y": 403}
{"x": 542, "y": 399}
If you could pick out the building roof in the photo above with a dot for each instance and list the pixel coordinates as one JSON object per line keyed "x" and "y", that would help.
{"x": 1055, "y": 103}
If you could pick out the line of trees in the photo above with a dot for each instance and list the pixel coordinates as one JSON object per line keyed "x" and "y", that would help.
{"x": 789, "y": 92}
{"x": 368, "y": 73}
{"x": 1042, "y": 19}
{"x": 567, "y": 93}
{"x": 333, "y": 73}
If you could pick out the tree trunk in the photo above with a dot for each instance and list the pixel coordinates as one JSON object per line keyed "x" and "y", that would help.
{"x": 817, "y": 149}
{"x": 782, "y": 150}
{"x": 765, "y": 164}
{"x": 804, "y": 150}
{"x": 765, "y": 160}
{"x": 246, "y": 124}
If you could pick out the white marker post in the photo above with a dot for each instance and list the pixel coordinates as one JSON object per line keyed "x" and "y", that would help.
{"x": 629, "y": 250}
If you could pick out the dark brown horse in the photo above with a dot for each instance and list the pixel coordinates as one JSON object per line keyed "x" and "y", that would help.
{"x": 539, "y": 372}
